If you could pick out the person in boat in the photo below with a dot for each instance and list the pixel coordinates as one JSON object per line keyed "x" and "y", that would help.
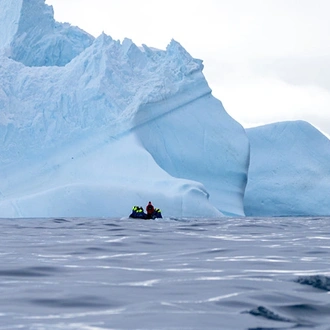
{"x": 137, "y": 213}
{"x": 150, "y": 210}
{"x": 157, "y": 213}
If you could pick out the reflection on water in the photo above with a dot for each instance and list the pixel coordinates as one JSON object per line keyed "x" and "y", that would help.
{"x": 231, "y": 273}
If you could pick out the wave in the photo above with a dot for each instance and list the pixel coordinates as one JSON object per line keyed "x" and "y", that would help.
{"x": 266, "y": 313}
{"x": 317, "y": 281}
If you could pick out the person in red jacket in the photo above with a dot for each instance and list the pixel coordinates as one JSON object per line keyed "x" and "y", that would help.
{"x": 150, "y": 210}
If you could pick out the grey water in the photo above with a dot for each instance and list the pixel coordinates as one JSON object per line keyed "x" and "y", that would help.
{"x": 228, "y": 273}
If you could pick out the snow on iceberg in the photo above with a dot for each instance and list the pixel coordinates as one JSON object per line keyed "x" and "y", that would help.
{"x": 106, "y": 125}
{"x": 289, "y": 171}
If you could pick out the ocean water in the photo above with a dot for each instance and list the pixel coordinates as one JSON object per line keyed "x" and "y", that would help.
{"x": 231, "y": 273}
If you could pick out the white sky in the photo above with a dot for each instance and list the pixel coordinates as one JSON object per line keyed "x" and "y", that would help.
{"x": 266, "y": 60}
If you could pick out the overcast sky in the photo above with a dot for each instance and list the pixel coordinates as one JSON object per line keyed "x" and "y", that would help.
{"x": 266, "y": 60}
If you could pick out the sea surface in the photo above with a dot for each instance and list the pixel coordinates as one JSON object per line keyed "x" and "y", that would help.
{"x": 228, "y": 273}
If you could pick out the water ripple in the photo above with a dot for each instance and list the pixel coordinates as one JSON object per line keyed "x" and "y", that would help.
{"x": 317, "y": 281}
{"x": 76, "y": 302}
{"x": 169, "y": 274}
{"x": 30, "y": 271}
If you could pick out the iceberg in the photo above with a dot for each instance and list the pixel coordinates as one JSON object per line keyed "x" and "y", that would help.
{"x": 90, "y": 126}
{"x": 289, "y": 173}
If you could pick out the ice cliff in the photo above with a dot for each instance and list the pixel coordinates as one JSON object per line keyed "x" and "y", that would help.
{"x": 91, "y": 127}
{"x": 289, "y": 172}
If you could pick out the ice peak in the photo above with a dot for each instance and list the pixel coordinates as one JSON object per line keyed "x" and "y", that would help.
{"x": 9, "y": 20}
{"x": 35, "y": 14}
{"x": 175, "y": 48}
{"x": 30, "y": 34}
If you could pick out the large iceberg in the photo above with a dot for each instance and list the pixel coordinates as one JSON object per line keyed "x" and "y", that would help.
{"x": 91, "y": 127}
{"x": 289, "y": 171}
